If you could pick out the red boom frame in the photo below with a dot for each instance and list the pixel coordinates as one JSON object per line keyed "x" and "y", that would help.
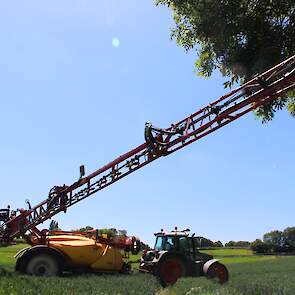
{"x": 260, "y": 91}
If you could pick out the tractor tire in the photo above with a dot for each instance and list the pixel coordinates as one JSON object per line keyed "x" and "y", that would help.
{"x": 219, "y": 272}
{"x": 169, "y": 270}
{"x": 43, "y": 265}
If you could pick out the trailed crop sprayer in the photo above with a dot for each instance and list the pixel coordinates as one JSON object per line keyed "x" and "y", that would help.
{"x": 53, "y": 254}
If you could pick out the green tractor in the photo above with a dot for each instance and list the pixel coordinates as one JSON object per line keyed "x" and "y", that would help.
{"x": 175, "y": 255}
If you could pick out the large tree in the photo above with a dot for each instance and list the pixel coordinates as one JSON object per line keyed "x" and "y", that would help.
{"x": 289, "y": 236}
{"x": 274, "y": 238}
{"x": 239, "y": 37}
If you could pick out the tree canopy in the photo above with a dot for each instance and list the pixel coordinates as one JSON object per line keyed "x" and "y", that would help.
{"x": 201, "y": 242}
{"x": 281, "y": 241}
{"x": 239, "y": 37}
{"x": 259, "y": 246}
{"x": 85, "y": 229}
{"x": 110, "y": 232}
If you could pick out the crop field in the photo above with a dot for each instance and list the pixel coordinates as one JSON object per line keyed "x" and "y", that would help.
{"x": 249, "y": 274}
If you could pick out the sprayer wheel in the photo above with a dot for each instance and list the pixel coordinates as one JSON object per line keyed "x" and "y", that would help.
{"x": 43, "y": 265}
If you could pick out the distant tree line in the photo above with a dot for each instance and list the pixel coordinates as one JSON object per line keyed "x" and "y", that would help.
{"x": 238, "y": 244}
{"x": 276, "y": 242}
{"x": 110, "y": 232}
{"x": 202, "y": 242}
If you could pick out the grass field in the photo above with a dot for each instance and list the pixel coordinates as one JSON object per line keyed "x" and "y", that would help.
{"x": 249, "y": 274}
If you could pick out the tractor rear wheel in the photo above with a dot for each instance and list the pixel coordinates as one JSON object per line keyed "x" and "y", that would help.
{"x": 169, "y": 270}
{"x": 43, "y": 265}
{"x": 218, "y": 271}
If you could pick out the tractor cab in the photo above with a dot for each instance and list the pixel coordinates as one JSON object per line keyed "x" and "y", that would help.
{"x": 174, "y": 241}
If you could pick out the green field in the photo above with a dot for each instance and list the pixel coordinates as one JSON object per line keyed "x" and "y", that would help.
{"x": 249, "y": 274}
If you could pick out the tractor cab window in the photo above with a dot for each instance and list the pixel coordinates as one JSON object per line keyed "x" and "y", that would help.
{"x": 159, "y": 243}
{"x": 170, "y": 243}
{"x": 165, "y": 243}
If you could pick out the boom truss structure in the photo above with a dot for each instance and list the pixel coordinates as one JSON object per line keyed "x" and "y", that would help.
{"x": 261, "y": 90}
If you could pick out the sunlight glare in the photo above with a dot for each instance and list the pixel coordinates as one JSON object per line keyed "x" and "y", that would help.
{"x": 115, "y": 42}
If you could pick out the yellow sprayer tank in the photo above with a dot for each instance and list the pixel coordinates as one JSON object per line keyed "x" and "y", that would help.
{"x": 67, "y": 252}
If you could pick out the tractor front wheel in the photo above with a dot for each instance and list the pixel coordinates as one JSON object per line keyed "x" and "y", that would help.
{"x": 43, "y": 265}
{"x": 218, "y": 271}
{"x": 169, "y": 270}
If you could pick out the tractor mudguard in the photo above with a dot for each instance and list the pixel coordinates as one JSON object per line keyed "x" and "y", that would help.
{"x": 21, "y": 252}
{"x": 159, "y": 256}
{"x": 208, "y": 264}
{"x": 25, "y": 254}
{"x": 164, "y": 254}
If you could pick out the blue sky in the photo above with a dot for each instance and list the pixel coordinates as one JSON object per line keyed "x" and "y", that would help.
{"x": 78, "y": 81}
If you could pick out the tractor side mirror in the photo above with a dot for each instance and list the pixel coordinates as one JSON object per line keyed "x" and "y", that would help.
{"x": 82, "y": 171}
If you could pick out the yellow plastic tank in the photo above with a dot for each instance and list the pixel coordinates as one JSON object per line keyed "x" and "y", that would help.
{"x": 87, "y": 252}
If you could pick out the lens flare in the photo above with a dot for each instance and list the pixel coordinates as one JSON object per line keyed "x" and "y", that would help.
{"x": 115, "y": 42}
